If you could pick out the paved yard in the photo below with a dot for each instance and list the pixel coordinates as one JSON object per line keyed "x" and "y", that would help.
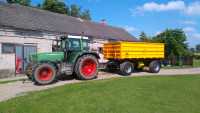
{"x": 19, "y": 88}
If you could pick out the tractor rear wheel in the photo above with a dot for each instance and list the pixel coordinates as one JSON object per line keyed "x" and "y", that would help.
{"x": 44, "y": 74}
{"x": 86, "y": 67}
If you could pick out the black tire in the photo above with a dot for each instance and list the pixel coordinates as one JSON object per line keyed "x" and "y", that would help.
{"x": 28, "y": 71}
{"x": 154, "y": 66}
{"x": 49, "y": 75}
{"x": 111, "y": 66}
{"x": 82, "y": 62}
{"x": 126, "y": 68}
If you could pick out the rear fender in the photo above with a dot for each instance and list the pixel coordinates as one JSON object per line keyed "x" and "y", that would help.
{"x": 86, "y": 53}
{"x": 55, "y": 64}
{"x": 90, "y": 53}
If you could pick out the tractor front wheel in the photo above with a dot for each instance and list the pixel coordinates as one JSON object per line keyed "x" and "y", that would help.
{"x": 44, "y": 74}
{"x": 86, "y": 67}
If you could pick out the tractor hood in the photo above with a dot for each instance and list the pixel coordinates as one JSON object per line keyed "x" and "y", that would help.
{"x": 50, "y": 57}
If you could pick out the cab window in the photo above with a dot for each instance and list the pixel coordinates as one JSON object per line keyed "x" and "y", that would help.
{"x": 74, "y": 44}
{"x": 85, "y": 45}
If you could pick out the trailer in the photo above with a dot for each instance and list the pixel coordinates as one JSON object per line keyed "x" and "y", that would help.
{"x": 130, "y": 56}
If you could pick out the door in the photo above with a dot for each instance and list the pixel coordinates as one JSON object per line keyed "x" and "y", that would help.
{"x": 28, "y": 50}
{"x": 19, "y": 59}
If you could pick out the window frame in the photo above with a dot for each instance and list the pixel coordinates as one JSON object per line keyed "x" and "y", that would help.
{"x": 3, "y": 51}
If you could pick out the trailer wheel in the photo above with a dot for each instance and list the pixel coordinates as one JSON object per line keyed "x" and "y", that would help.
{"x": 86, "y": 67}
{"x": 126, "y": 68}
{"x": 154, "y": 66}
{"x": 44, "y": 74}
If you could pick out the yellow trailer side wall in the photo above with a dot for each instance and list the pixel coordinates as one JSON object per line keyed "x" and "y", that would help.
{"x": 133, "y": 50}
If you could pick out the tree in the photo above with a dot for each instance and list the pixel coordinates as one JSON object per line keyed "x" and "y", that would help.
{"x": 60, "y": 7}
{"x": 175, "y": 42}
{"x": 21, "y": 2}
{"x": 144, "y": 37}
{"x": 55, "y": 6}
{"x": 86, "y": 15}
{"x": 198, "y": 48}
{"x": 75, "y": 10}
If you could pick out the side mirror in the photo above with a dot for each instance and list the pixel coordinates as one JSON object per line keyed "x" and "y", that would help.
{"x": 65, "y": 49}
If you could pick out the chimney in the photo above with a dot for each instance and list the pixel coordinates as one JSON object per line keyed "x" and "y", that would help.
{"x": 103, "y": 22}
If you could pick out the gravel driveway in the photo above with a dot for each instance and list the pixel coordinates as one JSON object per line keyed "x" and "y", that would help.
{"x": 20, "y": 88}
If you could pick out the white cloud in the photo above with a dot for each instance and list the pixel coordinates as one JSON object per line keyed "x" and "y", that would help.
{"x": 153, "y": 6}
{"x": 178, "y": 5}
{"x": 193, "y": 9}
{"x": 189, "y": 29}
{"x": 193, "y": 35}
{"x": 196, "y": 35}
{"x": 158, "y": 32}
{"x": 130, "y": 28}
{"x": 189, "y": 22}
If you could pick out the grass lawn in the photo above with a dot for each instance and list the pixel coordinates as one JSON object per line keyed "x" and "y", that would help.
{"x": 177, "y": 94}
{"x": 8, "y": 81}
{"x": 177, "y": 67}
{"x": 196, "y": 63}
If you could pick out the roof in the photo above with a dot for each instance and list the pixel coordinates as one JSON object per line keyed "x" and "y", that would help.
{"x": 29, "y": 18}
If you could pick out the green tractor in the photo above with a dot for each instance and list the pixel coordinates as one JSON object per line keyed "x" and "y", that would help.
{"x": 72, "y": 56}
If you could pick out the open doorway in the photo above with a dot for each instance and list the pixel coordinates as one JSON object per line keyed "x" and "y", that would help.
{"x": 22, "y": 53}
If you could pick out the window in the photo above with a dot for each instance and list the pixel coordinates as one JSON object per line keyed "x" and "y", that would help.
{"x": 74, "y": 44}
{"x": 8, "y": 48}
{"x": 56, "y": 45}
{"x": 85, "y": 45}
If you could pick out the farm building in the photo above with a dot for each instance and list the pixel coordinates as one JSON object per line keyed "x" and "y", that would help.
{"x": 26, "y": 30}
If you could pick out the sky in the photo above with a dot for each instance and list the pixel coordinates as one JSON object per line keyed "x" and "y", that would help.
{"x": 150, "y": 16}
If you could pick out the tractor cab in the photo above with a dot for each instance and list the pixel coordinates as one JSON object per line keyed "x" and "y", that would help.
{"x": 72, "y": 43}
{"x": 73, "y": 46}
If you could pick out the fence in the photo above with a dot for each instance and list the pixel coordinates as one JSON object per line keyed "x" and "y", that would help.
{"x": 179, "y": 61}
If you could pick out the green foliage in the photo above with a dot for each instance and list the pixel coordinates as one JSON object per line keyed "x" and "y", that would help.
{"x": 21, "y": 2}
{"x": 55, "y": 6}
{"x": 196, "y": 63}
{"x": 144, "y": 37}
{"x": 75, "y": 10}
{"x": 177, "y": 94}
{"x": 9, "y": 81}
{"x": 86, "y": 15}
{"x": 60, "y": 7}
{"x": 175, "y": 42}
